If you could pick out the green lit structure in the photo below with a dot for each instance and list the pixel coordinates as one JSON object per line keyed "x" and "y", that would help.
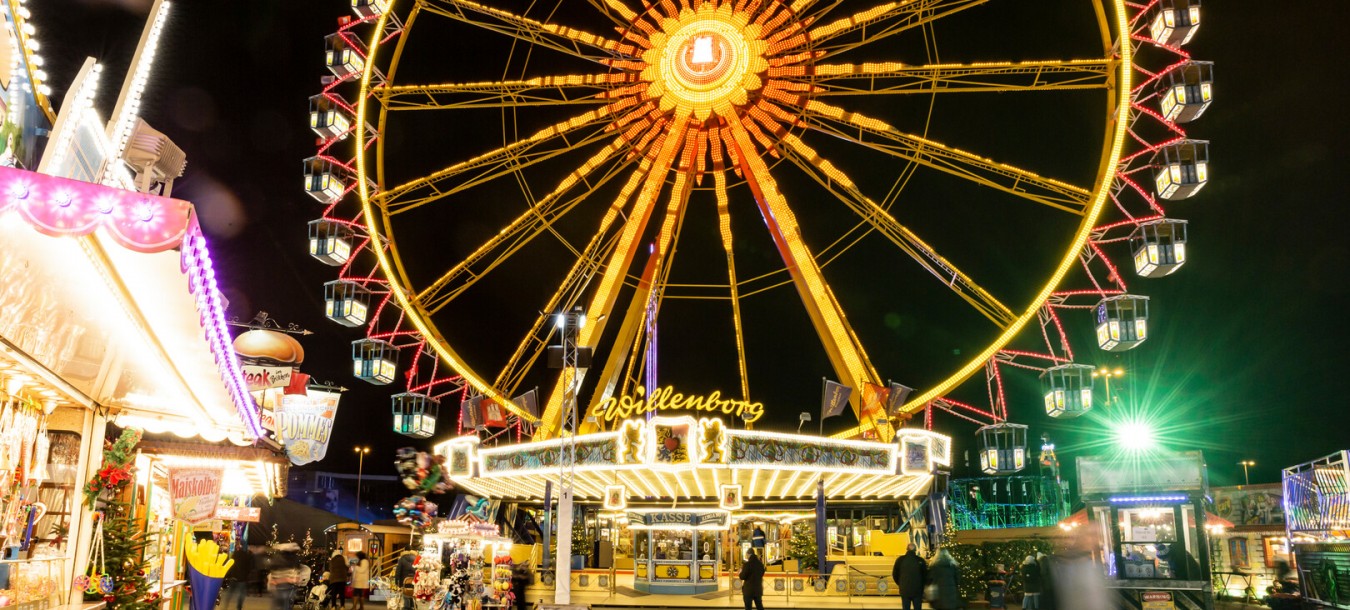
{"x": 982, "y": 503}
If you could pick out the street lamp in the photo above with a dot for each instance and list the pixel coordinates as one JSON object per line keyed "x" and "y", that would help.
{"x": 361, "y": 466}
{"x": 1107, "y": 374}
{"x": 1245, "y": 465}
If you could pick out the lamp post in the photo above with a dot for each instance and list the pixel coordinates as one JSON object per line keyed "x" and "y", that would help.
{"x": 1107, "y": 374}
{"x": 360, "y": 468}
{"x": 1245, "y": 465}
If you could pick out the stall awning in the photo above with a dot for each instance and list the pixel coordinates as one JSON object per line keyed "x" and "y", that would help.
{"x": 1080, "y": 518}
{"x": 113, "y": 293}
{"x": 248, "y": 470}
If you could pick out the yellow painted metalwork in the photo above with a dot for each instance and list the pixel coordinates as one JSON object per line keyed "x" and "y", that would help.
{"x": 1120, "y": 109}
{"x": 990, "y": 77}
{"x": 724, "y": 227}
{"x": 834, "y": 179}
{"x": 549, "y": 90}
{"x": 602, "y": 301}
{"x": 528, "y": 30}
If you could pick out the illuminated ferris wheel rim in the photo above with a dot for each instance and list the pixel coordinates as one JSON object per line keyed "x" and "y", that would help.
{"x": 378, "y": 223}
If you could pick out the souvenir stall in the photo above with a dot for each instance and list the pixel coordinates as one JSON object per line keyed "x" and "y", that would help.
{"x": 466, "y": 564}
{"x": 1147, "y": 523}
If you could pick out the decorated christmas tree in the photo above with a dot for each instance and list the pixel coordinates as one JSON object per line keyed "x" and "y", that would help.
{"x": 802, "y": 547}
{"x": 121, "y": 581}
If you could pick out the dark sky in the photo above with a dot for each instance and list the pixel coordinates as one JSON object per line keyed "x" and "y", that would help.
{"x": 1247, "y": 353}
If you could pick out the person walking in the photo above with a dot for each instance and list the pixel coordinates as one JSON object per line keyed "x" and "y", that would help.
{"x": 283, "y": 572}
{"x": 752, "y": 581}
{"x": 338, "y": 575}
{"x": 1031, "y": 583}
{"x": 237, "y": 578}
{"x": 944, "y": 576}
{"x": 405, "y": 571}
{"x": 1047, "y": 598}
{"x": 360, "y": 581}
{"x": 910, "y": 573}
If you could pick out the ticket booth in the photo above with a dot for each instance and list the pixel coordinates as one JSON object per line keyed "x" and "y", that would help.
{"x": 677, "y": 552}
{"x": 1147, "y": 516}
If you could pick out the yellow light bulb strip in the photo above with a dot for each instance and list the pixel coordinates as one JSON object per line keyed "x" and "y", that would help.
{"x": 527, "y": 30}
{"x": 1027, "y": 185}
{"x": 1120, "y": 126}
{"x": 900, "y": 78}
{"x": 534, "y": 220}
{"x": 616, "y": 270}
{"x": 724, "y": 228}
{"x": 507, "y": 158}
{"x": 846, "y": 353}
{"x": 549, "y": 90}
{"x": 837, "y": 182}
{"x": 902, "y": 16}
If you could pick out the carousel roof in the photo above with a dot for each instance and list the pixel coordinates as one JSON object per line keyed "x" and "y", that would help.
{"x": 670, "y": 458}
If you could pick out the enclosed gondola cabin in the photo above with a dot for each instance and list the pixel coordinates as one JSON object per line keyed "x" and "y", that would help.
{"x": 374, "y": 361}
{"x": 343, "y": 57}
{"x": 346, "y": 302}
{"x": 415, "y": 414}
{"x": 1174, "y": 22}
{"x": 1122, "y": 322}
{"x": 1003, "y": 448}
{"x": 366, "y": 9}
{"x": 321, "y": 182}
{"x": 1159, "y": 247}
{"x": 1185, "y": 91}
{"x": 1068, "y": 390}
{"x": 1182, "y": 169}
{"x": 327, "y": 117}
{"x": 330, "y": 242}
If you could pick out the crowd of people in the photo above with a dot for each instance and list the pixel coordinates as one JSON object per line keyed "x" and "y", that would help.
{"x": 280, "y": 571}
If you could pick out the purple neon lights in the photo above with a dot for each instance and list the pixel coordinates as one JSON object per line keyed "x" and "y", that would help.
{"x": 196, "y": 261}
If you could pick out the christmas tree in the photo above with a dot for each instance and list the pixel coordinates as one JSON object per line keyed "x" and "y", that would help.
{"x": 802, "y": 547}
{"x": 123, "y": 583}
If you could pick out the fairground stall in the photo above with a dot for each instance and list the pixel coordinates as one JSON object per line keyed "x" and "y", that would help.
{"x": 1248, "y": 557}
{"x": 110, "y": 315}
{"x": 681, "y": 499}
{"x": 1146, "y": 516}
{"x": 467, "y": 562}
{"x": 1317, "y": 515}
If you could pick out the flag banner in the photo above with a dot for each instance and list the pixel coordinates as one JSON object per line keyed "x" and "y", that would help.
{"x": 873, "y": 411}
{"x": 833, "y": 399}
{"x": 469, "y": 418}
{"x": 298, "y": 386}
{"x": 899, "y": 393}
{"x": 306, "y": 424}
{"x": 494, "y": 414}
{"x": 194, "y": 493}
{"x": 529, "y": 402}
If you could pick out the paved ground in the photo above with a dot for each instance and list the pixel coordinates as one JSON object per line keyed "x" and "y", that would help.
{"x": 265, "y": 603}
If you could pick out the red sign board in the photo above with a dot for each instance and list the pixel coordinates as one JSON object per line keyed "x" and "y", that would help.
{"x": 251, "y": 514}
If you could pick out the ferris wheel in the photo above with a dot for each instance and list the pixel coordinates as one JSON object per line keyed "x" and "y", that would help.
{"x": 663, "y": 169}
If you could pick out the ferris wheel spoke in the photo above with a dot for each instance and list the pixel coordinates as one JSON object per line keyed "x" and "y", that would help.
{"x": 536, "y": 33}
{"x": 841, "y": 343}
{"x": 879, "y": 136}
{"x": 546, "y": 91}
{"x": 541, "y": 146}
{"x": 663, "y": 158}
{"x": 522, "y": 230}
{"x": 898, "y": 78}
{"x": 843, "y": 188}
{"x": 616, "y": 11}
{"x": 881, "y": 22}
{"x": 646, "y": 300}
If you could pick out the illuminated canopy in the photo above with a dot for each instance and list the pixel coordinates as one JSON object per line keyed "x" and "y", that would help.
{"x": 681, "y": 458}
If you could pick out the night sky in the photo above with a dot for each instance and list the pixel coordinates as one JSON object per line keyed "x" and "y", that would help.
{"x": 1246, "y": 358}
